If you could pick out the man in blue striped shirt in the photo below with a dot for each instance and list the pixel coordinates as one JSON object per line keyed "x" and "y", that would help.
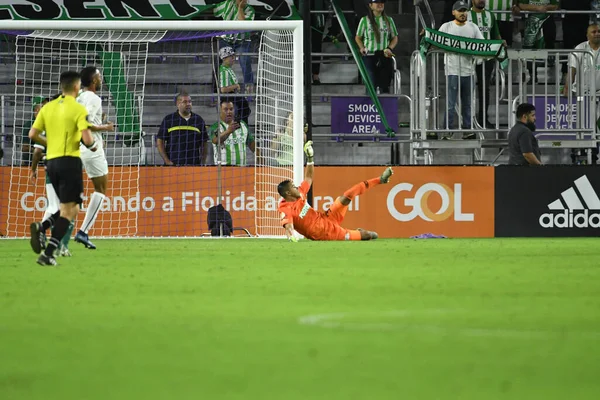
{"x": 182, "y": 137}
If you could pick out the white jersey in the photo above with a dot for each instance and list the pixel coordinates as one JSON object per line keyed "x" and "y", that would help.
{"x": 586, "y": 65}
{"x": 93, "y": 104}
{"x": 455, "y": 64}
{"x": 94, "y": 162}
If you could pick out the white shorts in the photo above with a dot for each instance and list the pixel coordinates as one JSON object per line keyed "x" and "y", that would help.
{"x": 94, "y": 162}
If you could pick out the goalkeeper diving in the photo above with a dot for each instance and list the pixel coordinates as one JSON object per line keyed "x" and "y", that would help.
{"x": 297, "y": 214}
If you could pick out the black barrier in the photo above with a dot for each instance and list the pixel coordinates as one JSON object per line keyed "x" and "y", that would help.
{"x": 547, "y": 201}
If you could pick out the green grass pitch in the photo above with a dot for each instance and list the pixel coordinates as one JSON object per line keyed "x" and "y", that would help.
{"x": 268, "y": 319}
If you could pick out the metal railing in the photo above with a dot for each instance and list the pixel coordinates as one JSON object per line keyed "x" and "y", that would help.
{"x": 532, "y": 76}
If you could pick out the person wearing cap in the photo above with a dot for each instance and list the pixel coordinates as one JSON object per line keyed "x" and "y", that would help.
{"x": 228, "y": 83}
{"x": 27, "y": 146}
{"x": 459, "y": 70}
{"x": 376, "y": 38}
{"x": 238, "y": 10}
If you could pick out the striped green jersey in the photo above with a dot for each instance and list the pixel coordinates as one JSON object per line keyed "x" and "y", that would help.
{"x": 365, "y": 31}
{"x": 500, "y": 5}
{"x": 540, "y": 3}
{"x": 228, "y": 11}
{"x": 486, "y": 22}
{"x": 233, "y": 150}
{"x": 226, "y": 76}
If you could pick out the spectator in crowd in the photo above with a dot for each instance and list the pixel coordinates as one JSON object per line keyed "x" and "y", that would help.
{"x": 578, "y": 60}
{"x": 26, "y": 145}
{"x": 504, "y": 20}
{"x": 182, "y": 136}
{"x": 283, "y": 142}
{"x": 578, "y": 63}
{"x": 488, "y": 26}
{"x": 228, "y": 83}
{"x": 238, "y": 10}
{"x": 317, "y": 23}
{"x": 574, "y": 25}
{"x": 376, "y": 38}
{"x": 540, "y": 28}
{"x": 522, "y": 144}
{"x": 459, "y": 70}
{"x": 230, "y": 137}
{"x": 357, "y": 9}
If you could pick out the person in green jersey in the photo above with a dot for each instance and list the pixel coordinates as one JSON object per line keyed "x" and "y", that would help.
{"x": 230, "y": 137}
{"x": 66, "y": 125}
{"x": 228, "y": 83}
{"x": 238, "y": 10}
{"x": 488, "y": 26}
{"x": 504, "y": 19}
{"x": 26, "y": 144}
{"x": 539, "y": 23}
{"x": 376, "y": 38}
{"x": 53, "y": 201}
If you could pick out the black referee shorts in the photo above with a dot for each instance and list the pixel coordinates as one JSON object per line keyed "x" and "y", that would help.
{"x": 66, "y": 176}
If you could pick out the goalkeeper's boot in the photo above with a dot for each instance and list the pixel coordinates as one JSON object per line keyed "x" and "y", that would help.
{"x": 43, "y": 259}
{"x": 83, "y": 238}
{"x": 385, "y": 177}
{"x": 38, "y": 237}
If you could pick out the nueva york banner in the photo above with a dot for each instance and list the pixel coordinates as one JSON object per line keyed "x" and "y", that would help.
{"x": 130, "y": 9}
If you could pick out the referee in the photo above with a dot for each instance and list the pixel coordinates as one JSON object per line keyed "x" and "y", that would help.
{"x": 66, "y": 124}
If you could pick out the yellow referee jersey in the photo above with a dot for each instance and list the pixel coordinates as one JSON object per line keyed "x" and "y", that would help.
{"x": 63, "y": 120}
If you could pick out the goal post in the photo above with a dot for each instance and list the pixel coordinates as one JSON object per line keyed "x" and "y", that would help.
{"x": 145, "y": 197}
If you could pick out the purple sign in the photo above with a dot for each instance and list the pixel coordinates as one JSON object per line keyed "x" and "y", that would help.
{"x": 359, "y": 115}
{"x": 552, "y": 116}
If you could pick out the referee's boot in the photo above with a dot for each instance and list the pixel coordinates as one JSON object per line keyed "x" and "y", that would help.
{"x": 38, "y": 237}
{"x": 83, "y": 238}
{"x": 43, "y": 259}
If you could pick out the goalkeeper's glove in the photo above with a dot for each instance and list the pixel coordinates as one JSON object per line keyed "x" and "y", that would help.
{"x": 310, "y": 153}
{"x": 293, "y": 239}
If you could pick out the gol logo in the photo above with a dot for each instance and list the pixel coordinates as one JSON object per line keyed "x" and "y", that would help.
{"x": 451, "y": 203}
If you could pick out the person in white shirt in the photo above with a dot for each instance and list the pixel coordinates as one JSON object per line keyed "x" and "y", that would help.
{"x": 95, "y": 163}
{"x": 460, "y": 69}
{"x": 580, "y": 63}
{"x": 589, "y": 70}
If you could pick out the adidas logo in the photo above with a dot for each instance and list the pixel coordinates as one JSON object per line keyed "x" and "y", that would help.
{"x": 573, "y": 213}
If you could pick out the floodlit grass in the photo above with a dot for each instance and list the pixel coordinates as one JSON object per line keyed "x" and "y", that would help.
{"x": 222, "y": 319}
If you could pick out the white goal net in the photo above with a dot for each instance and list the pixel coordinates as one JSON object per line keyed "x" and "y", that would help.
{"x": 165, "y": 169}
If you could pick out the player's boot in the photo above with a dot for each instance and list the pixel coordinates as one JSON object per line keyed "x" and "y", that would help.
{"x": 43, "y": 259}
{"x": 64, "y": 251}
{"x": 38, "y": 237}
{"x": 83, "y": 238}
{"x": 385, "y": 177}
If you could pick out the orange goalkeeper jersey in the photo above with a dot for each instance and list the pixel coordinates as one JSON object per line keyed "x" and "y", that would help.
{"x": 311, "y": 224}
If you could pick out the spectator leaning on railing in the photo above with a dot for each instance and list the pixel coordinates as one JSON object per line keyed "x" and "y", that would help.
{"x": 590, "y": 70}
{"x": 459, "y": 70}
{"x": 376, "y": 38}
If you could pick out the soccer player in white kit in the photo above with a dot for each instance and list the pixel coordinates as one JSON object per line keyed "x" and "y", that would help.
{"x": 95, "y": 163}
